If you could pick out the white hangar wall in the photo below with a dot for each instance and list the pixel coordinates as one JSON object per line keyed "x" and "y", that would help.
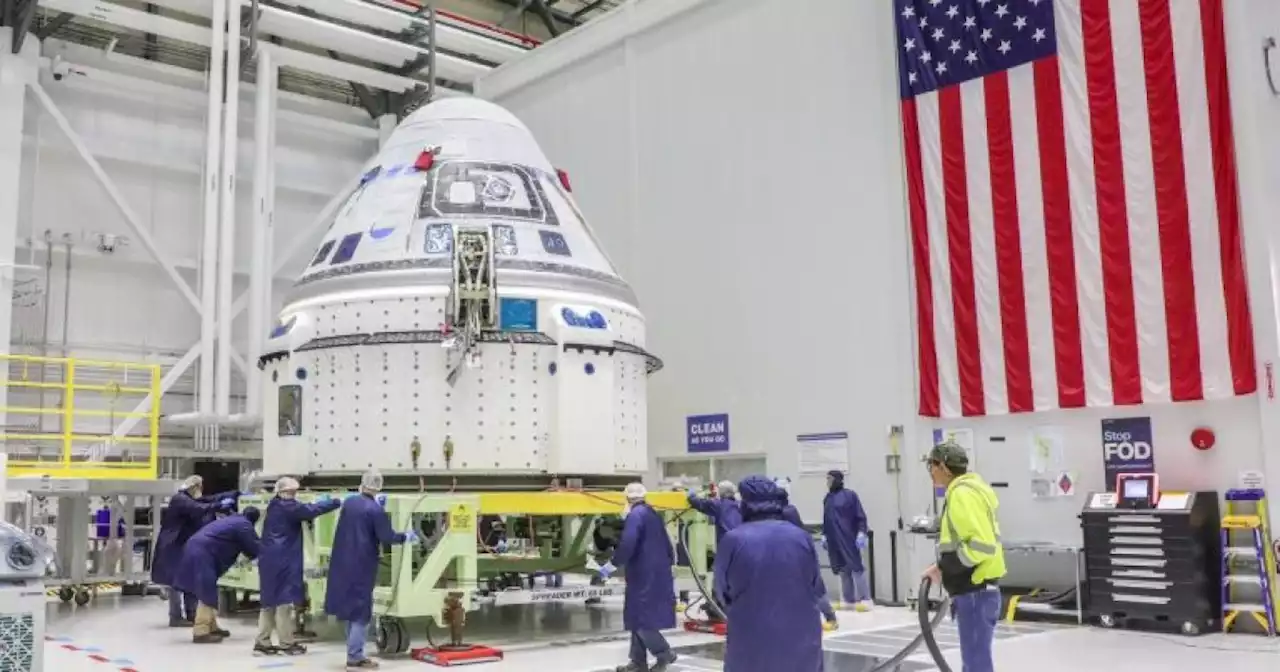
{"x": 758, "y": 217}
{"x": 150, "y": 139}
{"x": 741, "y": 162}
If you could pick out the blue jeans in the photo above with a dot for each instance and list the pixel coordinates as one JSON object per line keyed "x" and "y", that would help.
{"x": 357, "y": 633}
{"x": 644, "y": 642}
{"x": 976, "y": 615}
{"x": 181, "y": 605}
{"x": 854, "y": 586}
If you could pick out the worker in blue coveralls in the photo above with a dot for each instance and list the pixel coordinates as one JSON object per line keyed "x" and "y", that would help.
{"x": 363, "y": 529}
{"x": 767, "y": 579}
{"x": 207, "y": 556}
{"x": 645, "y": 551}
{"x": 187, "y": 512}
{"x": 723, "y": 510}
{"x": 844, "y": 533}
{"x": 792, "y": 515}
{"x": 280, "y": 566}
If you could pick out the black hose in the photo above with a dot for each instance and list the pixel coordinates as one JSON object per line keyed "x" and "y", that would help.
{"x": 926, "y": 628}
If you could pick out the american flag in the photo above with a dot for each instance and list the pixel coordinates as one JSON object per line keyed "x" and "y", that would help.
{"x": 1071, "y": 188}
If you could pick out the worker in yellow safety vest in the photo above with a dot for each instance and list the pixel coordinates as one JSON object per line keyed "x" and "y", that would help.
{"x": 970, "y": 557}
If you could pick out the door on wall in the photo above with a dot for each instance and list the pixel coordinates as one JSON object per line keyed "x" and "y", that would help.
{"x": 219, "y": 476}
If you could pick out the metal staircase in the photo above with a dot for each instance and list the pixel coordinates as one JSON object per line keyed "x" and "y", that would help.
{"x": 1248, "y": 560}
{"x": 473, "y": 298}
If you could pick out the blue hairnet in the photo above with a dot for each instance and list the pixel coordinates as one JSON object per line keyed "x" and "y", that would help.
{"x": 760, "y": 497}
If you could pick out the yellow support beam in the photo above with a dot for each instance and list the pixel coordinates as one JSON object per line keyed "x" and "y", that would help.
{"x": 571, "y": 503}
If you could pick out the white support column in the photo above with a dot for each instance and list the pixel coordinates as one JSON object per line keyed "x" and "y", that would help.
{"x": 227, "y": 215}
{"x": 260, "y": 271}
{"x": 1256, "y": 120}
{"x": 16, "y": 71}
{"x": 212, "y": 196}
{"x": 386, "y": 124}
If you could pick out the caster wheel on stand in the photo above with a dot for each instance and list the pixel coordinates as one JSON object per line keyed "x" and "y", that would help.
{"x": 66, "y": 594}
{"x": 1190, "y": 628}
{"x": 82, "y": 597}
{"x": 1107, "y": 621}
{"x": 392, "y": 637}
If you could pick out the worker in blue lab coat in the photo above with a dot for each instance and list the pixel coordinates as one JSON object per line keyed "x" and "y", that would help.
{"x": 207, "y": 556}
{"x": 363, "y": 529}
{"x": 844, "y": 533}
{"x": 723, "y": 510}
{"x": 792, "y": 515}
{"x": 768, "y": 581}
{"x": 645, "y": 551}
{"x": 280, "y": 565}
{"x": 187, "y": 512}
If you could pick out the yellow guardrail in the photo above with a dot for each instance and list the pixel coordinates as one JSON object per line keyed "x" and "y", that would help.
{"x": 89, "y": 399}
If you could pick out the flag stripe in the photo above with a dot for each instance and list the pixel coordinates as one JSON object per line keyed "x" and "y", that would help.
{"x": 1082, "y": 226}
{"x": 1239, "y": 322}
{"x": 960, "y": 251}
{"x": 1031, "y": 185}
{"x": 1193, "y": 113}
{"x": 1169, "y": 170}
{"x": 986, "y": 281}
{"x": 927, "y": 361}
{"x": 1144, "y": 225}
{"x": 1008, "y": 244}
{"x": 944, "y": 329}
{"x": 1113, "y": 211}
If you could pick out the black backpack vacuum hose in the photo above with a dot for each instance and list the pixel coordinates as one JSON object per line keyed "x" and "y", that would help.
{"x": 927, "y": 626}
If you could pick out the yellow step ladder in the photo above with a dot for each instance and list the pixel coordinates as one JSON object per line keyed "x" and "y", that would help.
{"x": 1248, "y": 559}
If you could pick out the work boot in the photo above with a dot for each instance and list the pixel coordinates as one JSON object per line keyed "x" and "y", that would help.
{"x": 629, "y": 667}
{"x": 664, "y": 661}
{"x": 211, "y": 638}
{"x": 220, "y": 632}
{"x": 294, "y": 649}
{"x": 264, "y": 650}
{"x": 180, "y": 623}
{"x": 366, "y": 664}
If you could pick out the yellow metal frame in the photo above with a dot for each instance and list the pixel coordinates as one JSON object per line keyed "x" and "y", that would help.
{"x": 68, "y": 438}
{"x": 1258, "y": 522}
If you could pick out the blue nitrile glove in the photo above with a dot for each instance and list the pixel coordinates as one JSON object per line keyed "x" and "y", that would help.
{"x": 861, "y": 540}
{"x": 822, "y": 539}
{"x": 351, "y": 496}
{"x": 381, "y": 500}
{"x": 323, "y": 499}
{"x": 410, "y": 536}
{"x": 607, "y": 570}
{"x": 692, "y": 493}
{"x": 502, "y": 546}
{"x": 227, "y": 503}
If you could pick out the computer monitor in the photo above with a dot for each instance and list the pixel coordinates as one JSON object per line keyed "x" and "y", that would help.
{"x": 1138, "y": 491}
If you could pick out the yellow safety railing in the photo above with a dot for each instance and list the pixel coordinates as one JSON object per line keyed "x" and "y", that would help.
{"x": 84, "y": 400}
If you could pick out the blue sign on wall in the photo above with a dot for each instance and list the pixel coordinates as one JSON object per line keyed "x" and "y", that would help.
{"x": 1126, "y": 448}
{"x": 707, "y": 433}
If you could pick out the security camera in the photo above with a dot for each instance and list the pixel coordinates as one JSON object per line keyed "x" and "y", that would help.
{"x": 107, "y": 243}
{"x": 59, "y": 68}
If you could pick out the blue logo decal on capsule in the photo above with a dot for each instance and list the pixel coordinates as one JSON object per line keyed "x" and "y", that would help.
{"x": 591, "y": 319}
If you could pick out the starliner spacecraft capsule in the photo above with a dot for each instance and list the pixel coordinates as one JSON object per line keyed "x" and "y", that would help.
{"x": 459, "y": 319}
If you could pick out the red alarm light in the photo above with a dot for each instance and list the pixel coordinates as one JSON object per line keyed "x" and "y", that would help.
{"x": 564, "y": 180}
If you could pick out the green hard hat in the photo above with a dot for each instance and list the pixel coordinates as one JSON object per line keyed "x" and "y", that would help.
{"x": 950, "y": 454}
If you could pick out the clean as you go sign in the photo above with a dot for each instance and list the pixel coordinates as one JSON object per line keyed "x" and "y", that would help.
{"x": 707, "y": 433}
{"x": 1126, "y": 448}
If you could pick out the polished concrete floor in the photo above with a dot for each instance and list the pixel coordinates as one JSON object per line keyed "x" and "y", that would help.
{"x": 118, "y": 633}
